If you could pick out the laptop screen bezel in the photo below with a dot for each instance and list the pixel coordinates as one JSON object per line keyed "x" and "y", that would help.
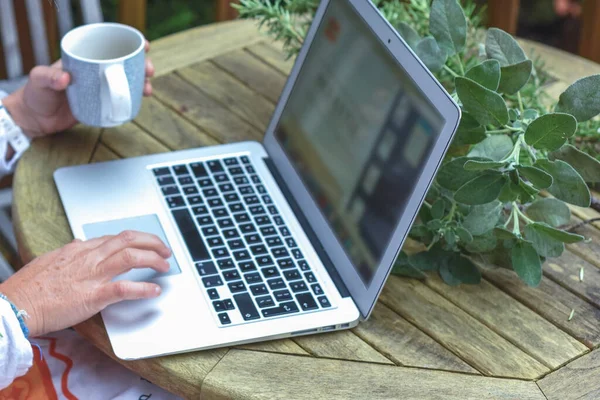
{"x": 364, "y": 296}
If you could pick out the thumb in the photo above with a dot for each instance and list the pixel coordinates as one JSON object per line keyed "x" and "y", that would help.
{"x": 45, "y": 77}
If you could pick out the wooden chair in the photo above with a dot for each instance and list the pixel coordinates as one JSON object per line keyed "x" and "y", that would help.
{"x": 504, "y": 14}
{"x": 30, "y": 31}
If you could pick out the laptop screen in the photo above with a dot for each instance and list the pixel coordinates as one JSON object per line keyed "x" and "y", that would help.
{"x": 358, "y": 131}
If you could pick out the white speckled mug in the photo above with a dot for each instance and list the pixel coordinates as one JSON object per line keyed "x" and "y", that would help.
{"x": 107, "y": 66}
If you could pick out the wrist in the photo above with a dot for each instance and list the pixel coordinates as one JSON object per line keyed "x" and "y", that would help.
{"x": 21, "y": 303}
{"x": 16, "y": 108}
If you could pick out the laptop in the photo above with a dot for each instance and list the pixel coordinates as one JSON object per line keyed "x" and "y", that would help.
{"x": 292, "y": 236}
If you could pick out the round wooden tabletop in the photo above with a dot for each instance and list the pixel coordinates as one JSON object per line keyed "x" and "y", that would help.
{"x": 220, "y": 83}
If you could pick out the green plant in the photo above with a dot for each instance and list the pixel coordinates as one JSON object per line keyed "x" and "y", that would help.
{"x": 486, "y": 204}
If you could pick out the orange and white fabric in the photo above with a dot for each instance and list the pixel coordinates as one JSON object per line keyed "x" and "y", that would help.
{"x": 68, "y": 367}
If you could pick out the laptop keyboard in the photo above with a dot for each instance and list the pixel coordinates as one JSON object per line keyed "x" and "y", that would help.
{"x": 247, "y": 258}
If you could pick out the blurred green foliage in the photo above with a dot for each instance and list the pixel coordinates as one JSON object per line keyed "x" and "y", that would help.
{"x": 164, "y": 17}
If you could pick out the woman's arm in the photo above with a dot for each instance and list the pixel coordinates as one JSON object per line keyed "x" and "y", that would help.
{"x": 15, "y": 351}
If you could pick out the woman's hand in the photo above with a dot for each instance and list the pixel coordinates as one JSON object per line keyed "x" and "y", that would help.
{"x": 71, "y": 284}
{"x": 41, "y": 107}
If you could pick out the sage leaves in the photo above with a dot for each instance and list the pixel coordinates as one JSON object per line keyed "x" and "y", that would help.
{"x": 487, "y": 74}
{"x": 567, "y": 184}
{"x": 410, "y": 36}
{"x": 501, "y": 46}
{"x": 431, "y": 54}
{"x": 486, "y": 106}
{"x": 481, "y": 190}
{"x": 587, "y": 166}
{"x": 526, "y": 263}
{"x": 551, "y": 131}
{"x": 448, "y": 25}
{"x": 514, "y": 77}
{"x": 581, "y": 99}
{"x": 551, "y": 211}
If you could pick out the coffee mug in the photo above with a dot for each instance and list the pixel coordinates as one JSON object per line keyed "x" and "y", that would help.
{"x": 107, "y": 66}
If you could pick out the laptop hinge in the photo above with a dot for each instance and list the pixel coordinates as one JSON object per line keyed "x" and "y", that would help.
{"x": 312, "y": 237}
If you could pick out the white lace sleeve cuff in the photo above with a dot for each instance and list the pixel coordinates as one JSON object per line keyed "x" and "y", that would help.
{"x": 16, "y": 355}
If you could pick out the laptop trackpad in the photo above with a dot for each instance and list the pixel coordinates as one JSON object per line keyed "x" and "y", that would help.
{"x": 145, "y": 223}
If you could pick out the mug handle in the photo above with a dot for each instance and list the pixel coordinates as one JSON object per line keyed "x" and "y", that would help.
{"x": 118, "y": 87}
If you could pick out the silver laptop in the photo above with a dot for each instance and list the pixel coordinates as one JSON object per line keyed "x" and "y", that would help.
{"x": 292, "y": 236}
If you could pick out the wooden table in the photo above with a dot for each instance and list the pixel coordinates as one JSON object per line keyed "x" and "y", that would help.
{"x": 425, "y": 340}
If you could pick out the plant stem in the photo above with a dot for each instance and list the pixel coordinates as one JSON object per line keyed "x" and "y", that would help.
{"x": 510, "y": 128}
{"x": 460, "y": 64}
{"x": 454, "y": 74}
{"x": 452, "y": 212}
{"x": 515, "y": 215}
{"x": 524, "y": 217}
{"x": 499, "y": 131}
{"x": 520, "y": 102}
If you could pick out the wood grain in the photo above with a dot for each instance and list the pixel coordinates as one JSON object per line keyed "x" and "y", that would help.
{"x": 284, "y": 346}
{"x": 342, "y": 345}
{"x": 462, "y": 334}
{"x": 504, "y": 14}
{"x": 229, "y": 91}
{"x": 565, "y": 271}
{"x": 272, "y": 55}
{"x": 253, "y": 72}
{"x": 588, "y": 250}
{"x": 202, "y": 110}
{"x": 554, "y": 303}
{"x": 578, "y": 380}
{"x": 401, "y": 342}
{"x": 169, "y": 128}
{"x": 589, "y": 42}
{"x": 235, "y": 377}
{"x": 513, "y": 321}
{"x": 36, "y": 206}
{"x": 130, "y": 140}
{"x": 103, "y": 153}
{"x": 194, "y": 45}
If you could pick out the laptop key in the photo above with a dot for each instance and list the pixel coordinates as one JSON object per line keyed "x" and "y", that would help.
{"x": 180, "y": 170}
{"x": 224, "y": 318}
{"x": 241, "y": 255}
{"x": 215, "y": 165}
{"x": 225, "y": 223}
{"x": 242, "y": 180}
{"x": 193, "y": 200}
{"x": 268, "y": 230}
{"x": 226, "y": 187}
{"x": 246, "y": 306}
{"x": 247, "y": 228}
{"x": 284, "y": 308}
{"x": 282, "y": 295}
{"x": 236, "y": 287}
{"x": 231, "y": 233}
{"x": 267, "y": 199}
{"x": 210, "y": 231}
{"x": 262, "y": 220}
{"x": 206, "y": 268}
{"x": 161, "y": 171}
{"x": 290, "y": 242}
{"x": 237, "y": 207}
{"x": 221, "y": 178}
{"x": 278, "y": 220}
{"x": 276, "y": 283}
{"x": 303, "y": 265}
{"x": 292, "y": 274}
{"x": 259, "y": 290}
{"x": 270, "y": 272}
{"x": 284, "y": 231}
{"x": 236, "y": 244}
{"x": 323, "y": 302}
{"x": 199, "y": 210}
{"x": 220, "y": 252}
{"x": 175, "y": 201}
{"x": 210, "y": 192}
{"x": 247, "y": 266}
{"x": 212, "y": 281}
{"x": 316, "y": 288}
{"x": 297, "y": 254}
{"x": 213, "y": 294}
{"x": 242, "y": 217}
{"x": 258, "y": 249}
{"x": 285, "y": 263}
{"x": 205, "y": 182}
{"x": 256, "y": 210}
{"x": 198, "y": 169}
{"x": 261, "y": 189}
{"x": 265, "y": 301}
{"x": 170, "y": 190}
{"x": 263, "y": 261}
{"x": 196, "y": 247}
{"x": 228, "y": 304}
{"x": 245, "y": 159}
{"x": 250, "y": 169}
{"x": 272, "y": 210}
{"x": 190, "y": 190}
{"x": 274, "y": 241}
{"x": 253, "y": 239}
{"x": 185, "y": 180}
{"x": 220, "y": 212}
{"x": 249, "y": 200}
{"x": 253, "y": 277}
{"x": 231, "y": 197}
{"x": 219, "y": 306}
{"x": 231, "y": 161}
{"x": 236, "y": 171}
{"x": 231, "y": 275}
{"x": 226, "y": 264}
{"x": 310, "y": 277}
{"x": 215, "y": 202}
{"x": 280, "y": 252}
{"x": 306, "y": 301}
{"x": 255, "y": 179}
{"x": 204, "y": 220}
{"x": 298, "y": 286}
{"x": 165, "y": 180}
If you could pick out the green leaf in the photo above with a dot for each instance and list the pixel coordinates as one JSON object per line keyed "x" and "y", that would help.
{"x": 568, "y": 185}
{"x": 550, "y": 131}
{"x": 514, "y": 77}
{"x": 551, "y": 211}
{"x": 581, "y": 99}
{"x": 452, "y": 174}
{"x": 464, "y": 235}
{"x": 536, "y": 176}
{"x": 494, "y": 148}
{"x": 513, "y": 114}
{"x": 403, "y": 268}
{"x": 481, "y": 190}
{"x": 530, "y": 114}
{"x": 447, "y": 23}
{"x": 486, "y": 106}
{"x": 469, "y": 131}
{"x": 447, "y": 276}
{"x": 542, "y": 243}
{"x": 587, "y": 166}
{"x": 429, "y": 260}
{"x": 410, "y": 36}
{"x": 509, "y": 193}
{"x": 434, "y": 224}
{"x": 437, "y": 209}
{"x": 482, "y": 165}
{"x": 526, "y": 263}
{"x": 501, "y": 46}
{"x": 483, "y": 243}
{"x": 463, "y": 270}
{"x": 482, "y": 218}
{"x": 557, "y": 234}
{"x": 504, "y": 234}
{"x": 431, "y": 54}
{"x": 487, "y": 74}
